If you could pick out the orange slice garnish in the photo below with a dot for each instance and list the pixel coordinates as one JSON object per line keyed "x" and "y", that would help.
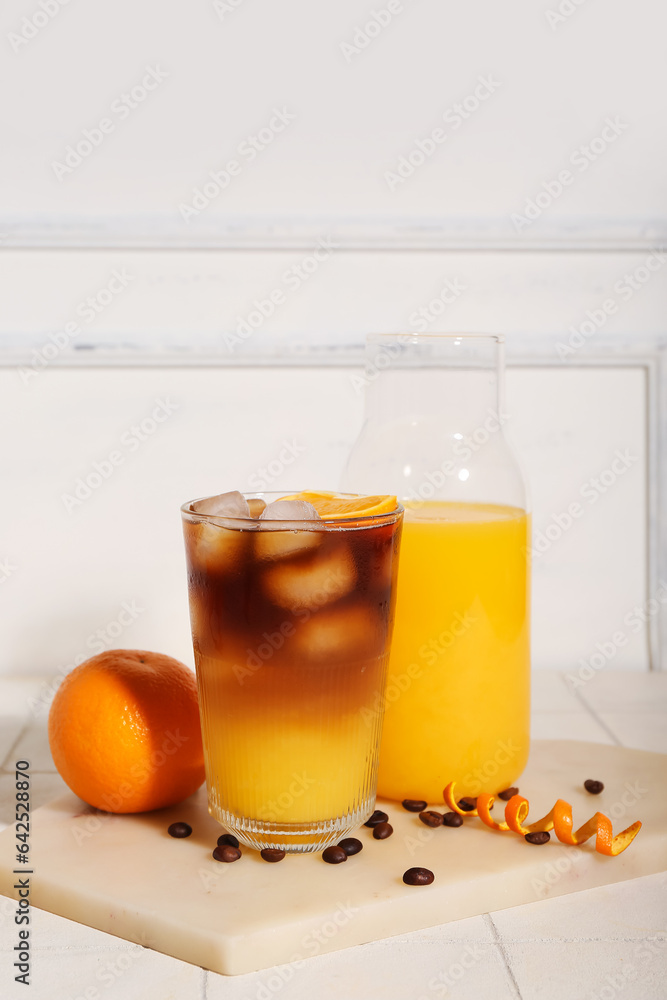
{"x": 331, "y": 506}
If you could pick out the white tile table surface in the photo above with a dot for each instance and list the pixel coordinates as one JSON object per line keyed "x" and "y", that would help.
{"x": 601, "y": 944}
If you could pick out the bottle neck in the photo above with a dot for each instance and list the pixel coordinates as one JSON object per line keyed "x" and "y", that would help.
{"x": 458, "y": 400}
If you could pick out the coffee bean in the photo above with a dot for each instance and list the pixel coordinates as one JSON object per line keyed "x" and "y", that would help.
{"x": 351, "y": 846}
{"x": 414, "y": 805}
{"x": 179, "y": 830}
{"x": 418, "y": 876}
{"x": 227, "y": 853}
{"x": 508, "y": 793}
{"x": 382, "y": 831}
{"x": 229, "y": 839}
{"x": 334, "y": 855}
{"x": 377, "y": 817}
{"x": 538, "y": 838}
{"x": 431, "y": 818}
{"x": 272, "y": 854}
{"x": 468, "y": 805}
{"x": 592, "y": 786}
{"x": 452, "y": 819}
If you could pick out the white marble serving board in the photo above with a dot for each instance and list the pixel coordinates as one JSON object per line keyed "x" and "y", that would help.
{"x": 126, "y": 876}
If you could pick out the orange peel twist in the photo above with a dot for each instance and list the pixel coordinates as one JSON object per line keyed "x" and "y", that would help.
{"x": 559, "y": 819}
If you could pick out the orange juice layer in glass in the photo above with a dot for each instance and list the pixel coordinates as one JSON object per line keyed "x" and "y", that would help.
{"x": 457, "y": 698}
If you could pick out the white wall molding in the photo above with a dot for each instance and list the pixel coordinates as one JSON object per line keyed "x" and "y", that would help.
{"x": 168, "y": 233}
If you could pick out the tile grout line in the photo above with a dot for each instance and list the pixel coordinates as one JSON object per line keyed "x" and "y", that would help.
{"x": 593, "y": 714}
{"x": 488, "y": 920}
{"x": 204, "y": 984}
{"x": 10, "y": 752}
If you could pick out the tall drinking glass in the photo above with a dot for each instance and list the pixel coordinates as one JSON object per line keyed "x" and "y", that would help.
{"x": 291, "y": 625}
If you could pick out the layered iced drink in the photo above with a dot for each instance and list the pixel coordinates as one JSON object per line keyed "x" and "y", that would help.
{"x": 291, "y": 604}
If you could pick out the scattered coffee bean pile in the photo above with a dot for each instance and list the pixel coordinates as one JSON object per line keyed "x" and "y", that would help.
{"x": 228, "y": 851}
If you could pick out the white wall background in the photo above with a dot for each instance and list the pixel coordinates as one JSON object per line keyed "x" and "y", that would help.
{"x": 354, "y": 115}
{"x": 557, "y": 78}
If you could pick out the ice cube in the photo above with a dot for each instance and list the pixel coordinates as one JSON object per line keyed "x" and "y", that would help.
{"x": 232, "y": 504}
{"x": 311, "y": 582}
{"x": 351, "y": 633}
{"x": 284, "y": 544}
{"x": 256, "y": 506}
{"x": 278, "y": 541}
{"x": 213, "y": 548}
{"x": 290, "y": 510}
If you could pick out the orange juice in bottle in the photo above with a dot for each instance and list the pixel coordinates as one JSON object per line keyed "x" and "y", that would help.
{"x": 457, "y": 699}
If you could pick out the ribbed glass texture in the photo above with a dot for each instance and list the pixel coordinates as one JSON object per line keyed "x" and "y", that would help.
{"x": 291, "y": 629}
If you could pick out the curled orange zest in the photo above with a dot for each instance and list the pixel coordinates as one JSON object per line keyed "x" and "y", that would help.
{"x": 484, "y": 804}
{"x": 453, "y": 804}
{"x": 559, "y": 819}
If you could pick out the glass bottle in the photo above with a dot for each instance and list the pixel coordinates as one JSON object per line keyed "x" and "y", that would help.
{"x": 457, "y": 702}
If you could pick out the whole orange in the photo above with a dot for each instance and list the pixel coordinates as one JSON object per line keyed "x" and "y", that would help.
{"x": 124, "y": 731}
